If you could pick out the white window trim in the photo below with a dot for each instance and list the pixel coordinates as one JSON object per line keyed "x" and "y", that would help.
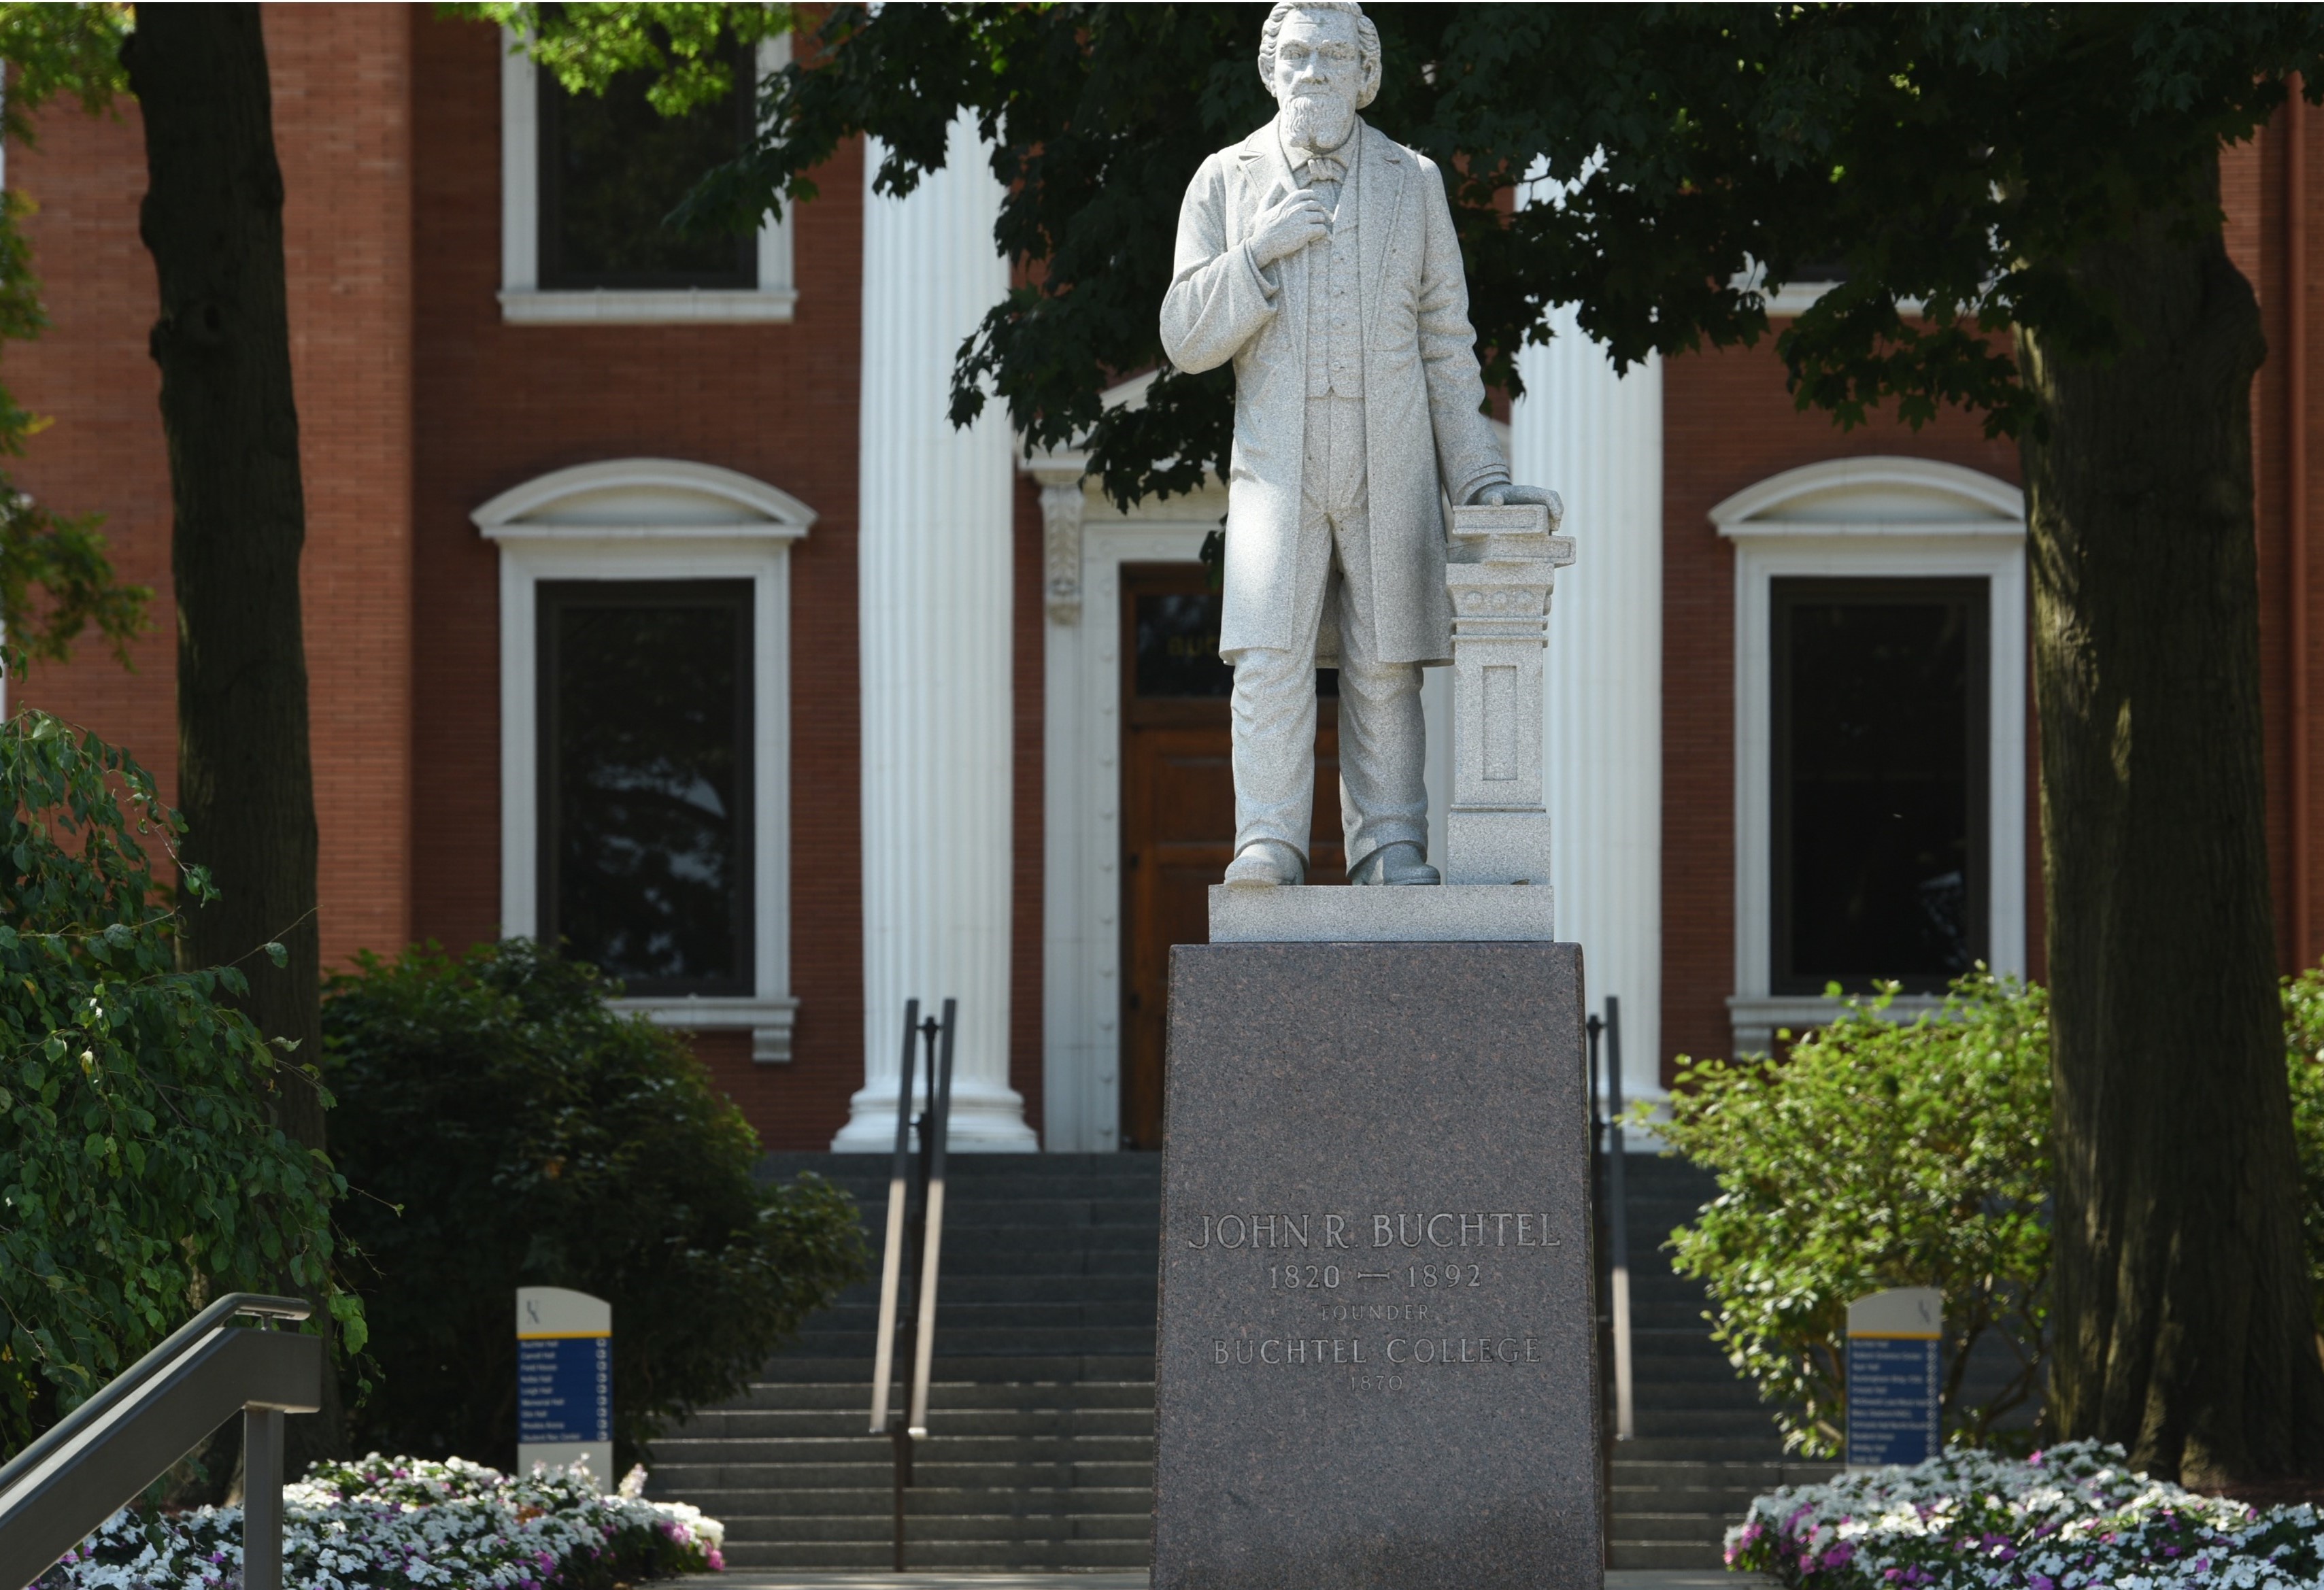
{"x": 1080, "y": 982}
{"x": 656, "y": 518}
{"x": 1870, "y": 518}
{"x": 523, "y": 302}
{"x": 1795, "y": 299}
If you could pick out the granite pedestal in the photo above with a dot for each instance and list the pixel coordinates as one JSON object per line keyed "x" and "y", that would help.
{"x": 1375, "y": 1364}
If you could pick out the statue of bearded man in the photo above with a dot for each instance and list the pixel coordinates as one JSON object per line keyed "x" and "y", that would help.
{"x": 1318, "y": 256}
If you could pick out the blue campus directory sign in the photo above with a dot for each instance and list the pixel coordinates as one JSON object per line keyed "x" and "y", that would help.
{"x": 1894, "y": 1342}
{"x": 564, "y": 1388}
{"x": 564, "y": 1381}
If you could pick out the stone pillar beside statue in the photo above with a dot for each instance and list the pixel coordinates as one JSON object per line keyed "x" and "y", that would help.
{"x": 1499, "y": 572}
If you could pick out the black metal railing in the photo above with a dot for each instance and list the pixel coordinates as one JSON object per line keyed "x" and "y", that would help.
{"x": 914, "y": 1243}
{"x": 1606, "y": 1137}
{"x": 96, "y": 1459}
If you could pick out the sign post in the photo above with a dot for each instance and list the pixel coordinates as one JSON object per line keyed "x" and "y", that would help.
{"x": 1893, "y": 1387}
{"x": 564, "y": 1381}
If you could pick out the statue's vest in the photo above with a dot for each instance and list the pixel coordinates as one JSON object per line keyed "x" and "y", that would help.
{"x": 1335, "y": 321}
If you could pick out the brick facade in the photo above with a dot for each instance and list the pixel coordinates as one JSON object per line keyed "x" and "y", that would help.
{"x": 497, "y": 405}
{"x": 1728, "y": 423}
{"x": 417, "y": 403}
{"x": 343, "y": 126}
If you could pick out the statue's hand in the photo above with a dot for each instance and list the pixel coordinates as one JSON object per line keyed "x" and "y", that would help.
{"x": 1502, "y": 494}
{"x": 1287, "y": 227}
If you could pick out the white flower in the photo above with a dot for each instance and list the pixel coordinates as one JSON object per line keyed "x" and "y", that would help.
{"x": 404, "y": 1524}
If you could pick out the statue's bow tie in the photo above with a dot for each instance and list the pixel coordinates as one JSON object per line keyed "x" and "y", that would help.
{"x": 1323, "y": 168}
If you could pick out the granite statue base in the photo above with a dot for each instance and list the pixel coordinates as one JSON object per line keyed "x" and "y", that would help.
{"x": 1341, "y": 914}
{"x": 1375, "y": 1364}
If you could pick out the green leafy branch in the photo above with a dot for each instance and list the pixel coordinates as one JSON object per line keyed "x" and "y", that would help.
{"x": 141, "y": 1169}
{"x": 682, "y": 45}
{"x": 56, "y": 577}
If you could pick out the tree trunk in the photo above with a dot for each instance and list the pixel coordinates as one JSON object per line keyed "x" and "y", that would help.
{"x": 2181, "y": 1324}
{"x": 213, "y": 222}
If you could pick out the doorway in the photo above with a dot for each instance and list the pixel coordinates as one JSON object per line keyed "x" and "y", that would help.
{"x": 1177, "y": 805}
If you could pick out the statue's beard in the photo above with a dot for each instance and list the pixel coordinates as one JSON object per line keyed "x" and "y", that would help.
{"x": 1320, "y": 122}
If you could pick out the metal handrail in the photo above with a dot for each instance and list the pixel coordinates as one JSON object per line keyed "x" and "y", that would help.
{"x": 922, "y": 1234}
{"x": 256, "y": 1304}
{"x": 96, "y": 1458}
{"x": 1618, "y": 1200}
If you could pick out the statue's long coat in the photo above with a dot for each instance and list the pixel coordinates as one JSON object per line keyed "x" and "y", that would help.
{"x": 1426, "y": 435}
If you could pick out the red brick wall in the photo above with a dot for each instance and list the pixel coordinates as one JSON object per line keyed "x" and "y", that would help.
{"x": 497, "y": 405}
{"x": 1028, "y": 624}
{"x": 343, "y": 133}
{"x": 2302, "y": 517}
{"x": 2253, "y": 188}
{"x": 91, "y": 376}
{"x": 342, "y": 125}
{"x": 1728, "y": 423}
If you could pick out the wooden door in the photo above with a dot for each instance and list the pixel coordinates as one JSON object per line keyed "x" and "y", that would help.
{"x": 1178, "y": 807}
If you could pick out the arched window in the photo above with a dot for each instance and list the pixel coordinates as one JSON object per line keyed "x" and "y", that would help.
{"x": 1879, "y": 733}
{"x": 645, "y": 733}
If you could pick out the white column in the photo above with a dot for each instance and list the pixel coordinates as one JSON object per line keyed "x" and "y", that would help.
{"x": 932, "y": 604}
{"x": 1081, "y": 1107}
{"x": 1597, "y": 440}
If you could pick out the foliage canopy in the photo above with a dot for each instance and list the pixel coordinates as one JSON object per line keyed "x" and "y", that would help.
{"x": 140, "y": 1169}
{"x": 1951, "y": 161}
{"x": 587, "y": 47}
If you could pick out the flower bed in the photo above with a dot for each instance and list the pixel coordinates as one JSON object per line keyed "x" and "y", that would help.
{"x": 385, "y": 1523}
{"x": 2072, "y": 1517}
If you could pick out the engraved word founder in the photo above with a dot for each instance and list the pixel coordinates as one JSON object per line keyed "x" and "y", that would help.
{"x": 1318, "y": 256}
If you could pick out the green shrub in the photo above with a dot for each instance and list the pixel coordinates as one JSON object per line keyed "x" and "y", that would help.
{"x": 1877, "y": 1154}
{"x": 2303, "y": 1042}
{"x": 502, "y": 1127}
{"x": 140, "y": 1169}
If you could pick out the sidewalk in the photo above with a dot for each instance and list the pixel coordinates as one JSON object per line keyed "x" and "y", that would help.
{"x": 1616, "y": 1579}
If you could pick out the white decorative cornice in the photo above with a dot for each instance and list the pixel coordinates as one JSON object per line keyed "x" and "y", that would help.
{"x": 642, "y": 499}
{"x": 1876, "y": 496}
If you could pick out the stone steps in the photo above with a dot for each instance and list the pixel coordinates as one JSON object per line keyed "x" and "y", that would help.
{"x": 1040, "y": 1452}
{"x": 1705, "y": 1443}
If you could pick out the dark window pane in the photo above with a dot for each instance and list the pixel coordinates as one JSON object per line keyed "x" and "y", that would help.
{"x": 1833, "y": 269}
{"x": 1178, "y": 649}
{"x": 1178, "y": 645}
{"x": 1880, "y": 790}
{"x": 646, "y": 780}
{"x": 612, "y": 168}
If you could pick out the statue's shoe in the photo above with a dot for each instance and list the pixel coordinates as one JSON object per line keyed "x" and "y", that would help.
{"x": 1266, "y": 864}
{"x": 1399, "y": 863}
